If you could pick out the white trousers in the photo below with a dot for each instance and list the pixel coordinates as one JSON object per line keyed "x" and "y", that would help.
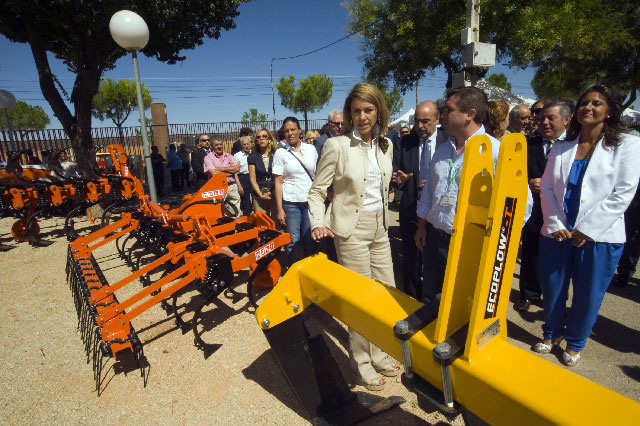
{"x": 367, "y": 251}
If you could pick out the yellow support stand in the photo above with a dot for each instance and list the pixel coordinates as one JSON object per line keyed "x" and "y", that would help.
{"x": 499, "y": 382}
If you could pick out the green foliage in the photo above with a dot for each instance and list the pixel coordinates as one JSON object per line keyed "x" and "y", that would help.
{"x": 25, "y": 116}
{"x": 393, "y": 99}
{"x": 116, "y": 99}
{"x": 499, "y": 80}
{"x": 402, "y": 39}
{"x": 77, "y": 32}
{"x": 253, "y": 118}
{"x": 311, "y": 95}
{"x": 573, "y": 43}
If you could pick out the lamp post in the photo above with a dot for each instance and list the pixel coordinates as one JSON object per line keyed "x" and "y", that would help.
{"x": 130, "y": 31}
{"x": 8, "y": 101}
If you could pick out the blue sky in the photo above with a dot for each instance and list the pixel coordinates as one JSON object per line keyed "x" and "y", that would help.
{"x": 223, "y": 78}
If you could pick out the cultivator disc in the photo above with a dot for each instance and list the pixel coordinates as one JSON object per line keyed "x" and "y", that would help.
{"x": 170, "y": 252}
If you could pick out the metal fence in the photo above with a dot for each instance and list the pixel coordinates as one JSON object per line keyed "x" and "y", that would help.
{"x": 42, "y": 141}
{"x": 129, "y": 137}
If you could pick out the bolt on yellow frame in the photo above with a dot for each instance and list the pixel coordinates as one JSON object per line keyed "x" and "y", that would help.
{"x": 499, "y": 382}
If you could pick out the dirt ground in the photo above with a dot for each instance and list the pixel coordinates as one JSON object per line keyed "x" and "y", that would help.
{"x": 45, "y": 377}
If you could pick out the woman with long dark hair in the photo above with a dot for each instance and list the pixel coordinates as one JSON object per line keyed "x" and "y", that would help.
{"x": 587, "y": 185}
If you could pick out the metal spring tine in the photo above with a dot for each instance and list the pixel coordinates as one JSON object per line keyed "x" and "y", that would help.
{"x": 76, "y": 297}
{"x": 67, "y": 268}
{"x": 96, "y": 353}
{"x": 99, "y": 357}
{"x": 90, "y": 337}
{"x": 87, "y": 327}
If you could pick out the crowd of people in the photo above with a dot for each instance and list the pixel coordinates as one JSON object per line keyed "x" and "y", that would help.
{"x": 335, "y": 186}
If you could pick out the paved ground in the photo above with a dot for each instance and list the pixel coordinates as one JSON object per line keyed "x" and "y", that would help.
{"x": 45, "y": 378}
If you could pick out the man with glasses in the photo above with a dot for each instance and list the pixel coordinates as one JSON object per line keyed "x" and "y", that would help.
{"x": 536, "y": 117}
{"x": 335, "y": 129}
{"x": 519, "y": 119}
{"x": 411, "y": 158}
{"x": 197, "y": 161}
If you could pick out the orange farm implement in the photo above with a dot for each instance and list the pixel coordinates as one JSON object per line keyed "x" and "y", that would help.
{"x": 32, "y": 193}
{"x": 192, "y": 245}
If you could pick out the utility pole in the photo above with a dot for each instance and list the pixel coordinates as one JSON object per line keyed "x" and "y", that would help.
{"x": 273, "y": 98}
{"x": 473, "y": 19}
{"x": 474, "y": 53}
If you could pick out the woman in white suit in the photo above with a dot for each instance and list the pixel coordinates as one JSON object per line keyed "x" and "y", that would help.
{"x": 358, "y": 165}
{"x": 588, "y": 183}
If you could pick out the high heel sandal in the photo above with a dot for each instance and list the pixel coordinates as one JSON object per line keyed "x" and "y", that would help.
{"x": 390, "y": 371}
{"x": 570, "y": 360}
{"x": 543, "y": 348}
{"x": 374, "y": 385}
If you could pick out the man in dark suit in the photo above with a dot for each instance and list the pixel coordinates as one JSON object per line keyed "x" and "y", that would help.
{"x": 197, "y": 160}
{"x": 335, "y": 129}
{"x": 411, "y": 159}
{"x": 552, "y": 126}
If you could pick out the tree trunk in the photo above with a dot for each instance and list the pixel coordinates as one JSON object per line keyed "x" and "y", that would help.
{"x": 451, "y": 68}
{"x": 635, "y": 76}
{"x": 78, "y": 126}
{"x": 306, "y": 127}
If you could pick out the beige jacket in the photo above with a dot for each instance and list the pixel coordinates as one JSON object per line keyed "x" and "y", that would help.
{"x": 344, "y": 164}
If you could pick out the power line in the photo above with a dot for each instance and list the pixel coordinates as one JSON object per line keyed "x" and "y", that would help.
{"x": 330, "y": 44}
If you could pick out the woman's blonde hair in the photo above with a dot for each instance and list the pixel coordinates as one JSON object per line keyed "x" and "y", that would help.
{"x": 369, "y": 93}
{"x": 497, "y": 112}
{"x": 312, "y": 134}
{"x": 272, "y": 141}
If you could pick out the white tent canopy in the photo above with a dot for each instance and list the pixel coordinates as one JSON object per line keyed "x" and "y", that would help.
{"x": 631, "y": 117}
{"x": 407, "y": 117}
{"x": 494, "y": 93}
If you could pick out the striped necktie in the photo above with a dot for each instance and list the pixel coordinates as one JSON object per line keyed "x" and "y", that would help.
{"x": 550, "y": 144}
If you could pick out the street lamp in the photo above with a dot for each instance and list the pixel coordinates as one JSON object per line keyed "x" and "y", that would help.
{"x": 131, "y": 33}
{"x": 8, "y": 101}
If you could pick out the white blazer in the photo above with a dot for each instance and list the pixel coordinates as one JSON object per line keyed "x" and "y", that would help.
{"x": 608, "y": 187}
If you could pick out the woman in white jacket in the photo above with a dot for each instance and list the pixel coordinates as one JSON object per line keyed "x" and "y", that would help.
{"x": 588, "y": 183}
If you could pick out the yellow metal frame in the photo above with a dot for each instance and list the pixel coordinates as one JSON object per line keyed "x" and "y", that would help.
{"x": 496, "y": 380}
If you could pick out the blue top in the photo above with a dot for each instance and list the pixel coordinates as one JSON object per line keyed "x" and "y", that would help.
{"x": 572, "y": 194}
{"x": 175, "y": 163}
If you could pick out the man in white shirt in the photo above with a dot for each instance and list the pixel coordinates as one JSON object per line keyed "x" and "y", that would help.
{"x": 462, "y": 116}
{"x": 243, "y": 175}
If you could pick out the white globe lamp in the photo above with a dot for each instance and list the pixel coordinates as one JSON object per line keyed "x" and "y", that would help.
{"x": 129, "y": 30}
